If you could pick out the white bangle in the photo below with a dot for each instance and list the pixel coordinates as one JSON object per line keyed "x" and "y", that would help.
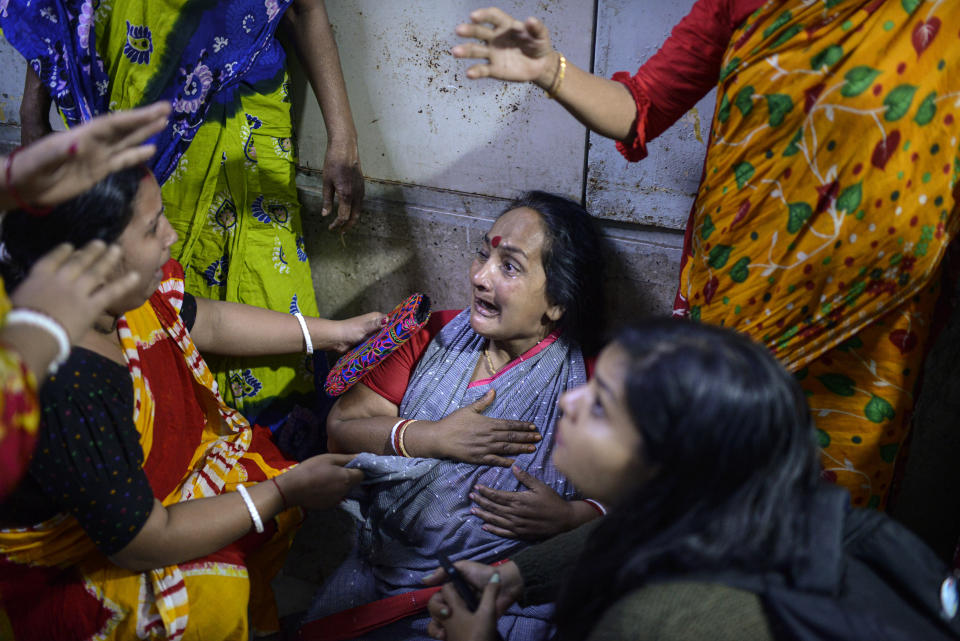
{"x": 306, "y": 332}
{"x": 597, "y": 506}
{"x": 393, "y": 437}
{"x": 251, "y": 508}
{"x": 22, "y": 316}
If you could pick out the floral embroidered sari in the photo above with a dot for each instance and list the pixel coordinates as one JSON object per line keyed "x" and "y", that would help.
{"x": 225, "y": 161}
{"x": 828, "y": 202}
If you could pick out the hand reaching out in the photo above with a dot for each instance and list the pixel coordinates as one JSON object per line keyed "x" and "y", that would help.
{"x": 66, "y": 164}
{"x": 319, "y": 482}
{"x": 514, "y": 50}
{"x": 74, "y": 287}
{"x": 353, "y": 330}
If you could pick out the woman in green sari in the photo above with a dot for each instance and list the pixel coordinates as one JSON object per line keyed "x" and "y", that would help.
{"x": 226, "y": 161}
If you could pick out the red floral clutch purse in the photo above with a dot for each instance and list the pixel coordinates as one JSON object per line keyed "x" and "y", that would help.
{"x": 404, "y": 321}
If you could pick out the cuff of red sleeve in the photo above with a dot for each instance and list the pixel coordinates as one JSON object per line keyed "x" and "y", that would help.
{"x": 635, "y": 148}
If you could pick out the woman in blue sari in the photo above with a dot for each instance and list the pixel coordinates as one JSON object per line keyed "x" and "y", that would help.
{"x": 457, "y": 427}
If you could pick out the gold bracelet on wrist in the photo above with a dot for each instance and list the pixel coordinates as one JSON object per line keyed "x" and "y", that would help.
{"x": 557, "y": 78}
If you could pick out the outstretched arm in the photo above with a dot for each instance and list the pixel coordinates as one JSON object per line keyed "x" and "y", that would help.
{"x": 309, "y": 27}
{"x": 192, "y": 529}
{"x": 522, "y": 52}
{"x": 235, "y": 329}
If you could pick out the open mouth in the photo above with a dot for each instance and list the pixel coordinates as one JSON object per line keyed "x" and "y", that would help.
{"x": 484, "y": 308}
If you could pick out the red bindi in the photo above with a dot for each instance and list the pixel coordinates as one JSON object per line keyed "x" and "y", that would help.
{"x": 495, "y": 241}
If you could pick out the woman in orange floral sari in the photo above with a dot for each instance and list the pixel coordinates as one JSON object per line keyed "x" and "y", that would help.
{"x": 135, "y": 520}
{"x": 829, "y": 190}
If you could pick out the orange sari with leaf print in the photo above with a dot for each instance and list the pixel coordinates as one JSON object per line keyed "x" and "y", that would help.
{"x": 828, "y": 201}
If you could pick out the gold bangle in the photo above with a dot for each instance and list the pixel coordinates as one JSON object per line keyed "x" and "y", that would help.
{"x": 558, "y": 78}
{"x": 400, "y": 434}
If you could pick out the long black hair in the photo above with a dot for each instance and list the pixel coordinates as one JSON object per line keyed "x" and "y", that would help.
{"x": 731, "y": 437}
{"x": 573, "y": 260}
{"x": 102, "y": 212}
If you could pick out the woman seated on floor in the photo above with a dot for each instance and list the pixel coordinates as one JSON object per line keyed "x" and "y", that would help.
{"x": 102, "y": 538}
{"x": 482, "y": 385}
{"x": 704, "y": 449}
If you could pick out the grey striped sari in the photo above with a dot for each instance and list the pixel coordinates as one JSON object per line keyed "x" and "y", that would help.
{"x": 410, "y": 508}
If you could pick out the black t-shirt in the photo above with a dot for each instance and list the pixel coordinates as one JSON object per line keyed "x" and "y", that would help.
{"x": 88, "y": 461}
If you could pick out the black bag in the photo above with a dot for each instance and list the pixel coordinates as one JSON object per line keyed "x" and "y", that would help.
{"x": 870, "y": 580}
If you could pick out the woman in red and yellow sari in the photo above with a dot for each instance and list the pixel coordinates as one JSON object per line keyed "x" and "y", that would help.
{"x": 134, "y": 520}
{"x": 828, "y": 196}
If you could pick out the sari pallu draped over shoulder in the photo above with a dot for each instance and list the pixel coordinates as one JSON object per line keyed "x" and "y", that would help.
{"x": 828, "y": 201}
{"x": 411, "y": 508}
{"x": 66, "y": 582}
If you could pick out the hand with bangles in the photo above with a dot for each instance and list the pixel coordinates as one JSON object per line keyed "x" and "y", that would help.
{"x": 71, "y": 288}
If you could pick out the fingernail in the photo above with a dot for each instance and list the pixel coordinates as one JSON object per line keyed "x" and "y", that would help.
{"x": 473, "y": 497}
{"x": 444, "y": 612}
{"x": 495, "y": 578}
{"x": 531, "y": 448}
{"x": 473, "y": 510}
{"x": 324, "y": 212}
{"x": 384, "y": 321}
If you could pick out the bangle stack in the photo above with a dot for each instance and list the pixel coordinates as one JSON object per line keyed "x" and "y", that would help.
{"x": 306, "y": 332}
{"x": 396, "y": 436}
{"x": 22, "y": 316}
{"x": 17, "y": 198}
{"x": 558, "y": 78}
{"x": 251, "y": 508}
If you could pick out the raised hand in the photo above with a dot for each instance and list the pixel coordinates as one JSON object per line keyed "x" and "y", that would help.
{"x": 531, "y": 515}
{"x": 514, "y": 50}
{"x": 467, "y": 435}
{"x": 66, "y": 164}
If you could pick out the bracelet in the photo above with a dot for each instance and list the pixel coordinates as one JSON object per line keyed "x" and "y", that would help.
{"x": 23, "y": 316}
{"x": 17, "y": 198}
{"x": 306, "y": 333}
{"x": 597, "y": 506}
{"x": 283, "y": 497}
{"x": 400, "y": 444}
{"x": 251, "y": 508}
{"x": 393, "y": 438}
{"x": 558, "y": 79}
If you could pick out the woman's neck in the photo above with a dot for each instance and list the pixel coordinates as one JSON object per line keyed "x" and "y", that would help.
{"x": 500, "y": 353}
{"x": 103, "y": 339}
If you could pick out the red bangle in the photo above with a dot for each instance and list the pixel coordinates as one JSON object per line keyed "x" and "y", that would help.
{"x": 283, "y": 497}
{"x": 17, "y": 198}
